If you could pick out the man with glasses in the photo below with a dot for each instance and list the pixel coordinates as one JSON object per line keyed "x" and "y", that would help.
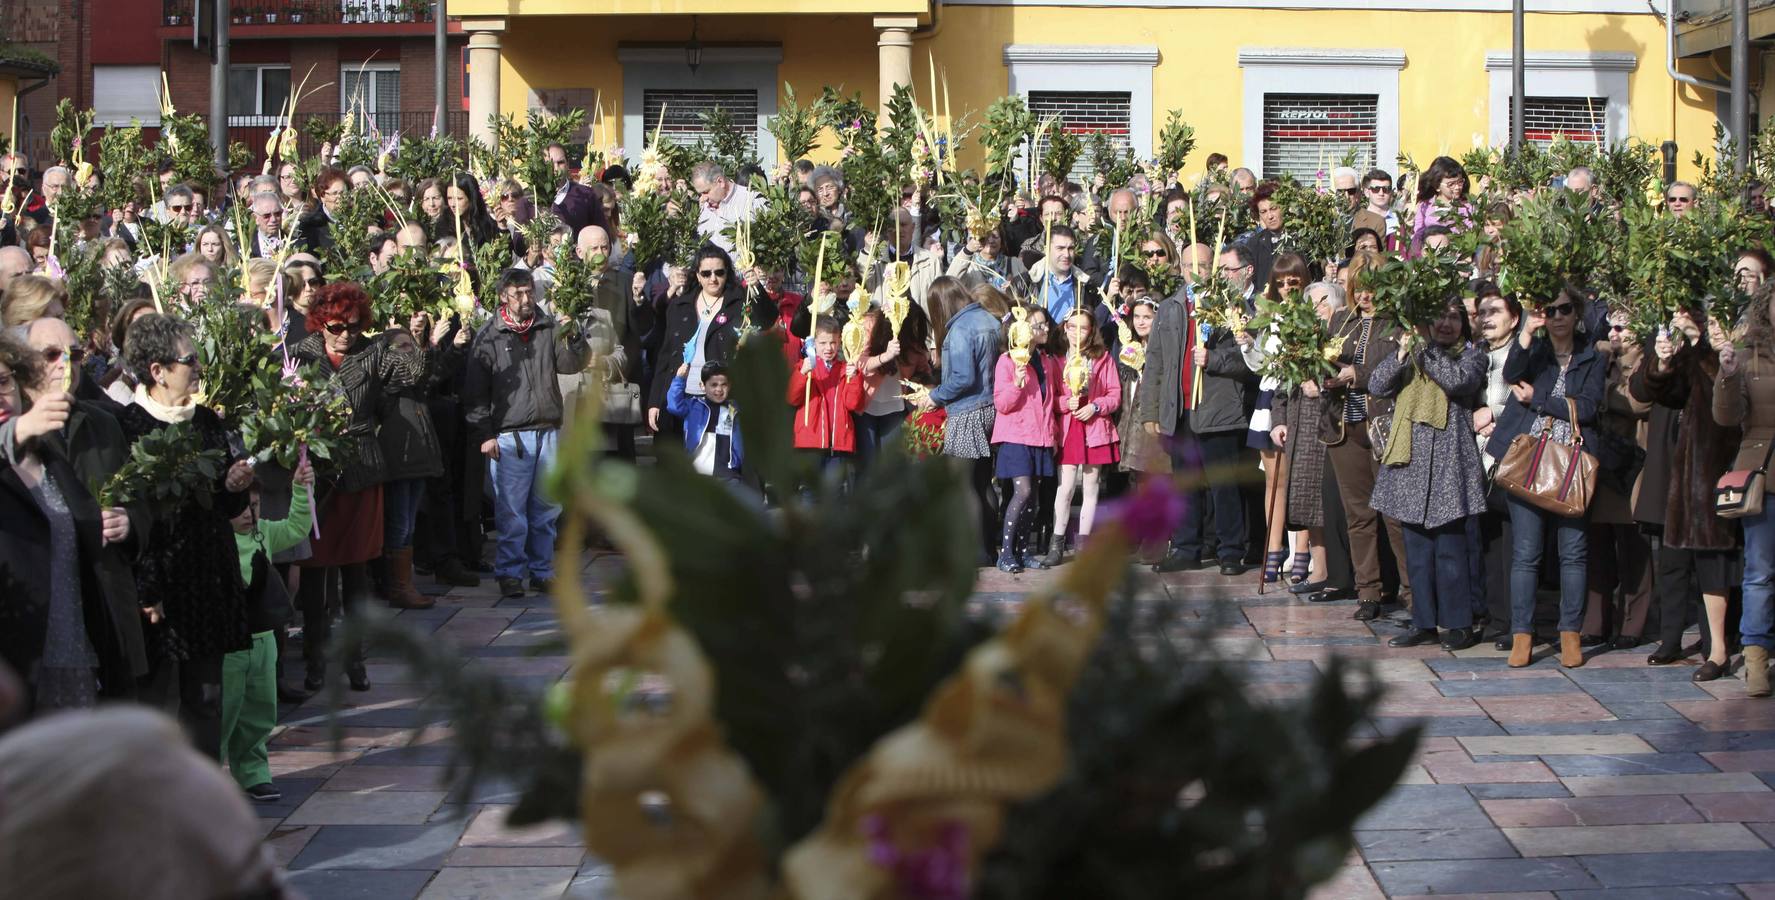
{"x": 576, "y": 204}
{"x": 1679, "y": 198}
{"x": 1345, "y": 183}
{"x": 268, "y": 226}
{"x": 179, "y": 205}
{"x": 514, "y": 410}
{"x": 1378, "y": 214}
{"x": 195, "y": 283}
{"x": 723, "y": 203}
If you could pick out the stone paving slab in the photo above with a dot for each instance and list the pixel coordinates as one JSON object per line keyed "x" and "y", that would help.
{"x": 1614, "y": 780}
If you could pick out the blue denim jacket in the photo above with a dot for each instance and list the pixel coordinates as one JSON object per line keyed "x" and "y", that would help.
{"x": 970, "y": 350}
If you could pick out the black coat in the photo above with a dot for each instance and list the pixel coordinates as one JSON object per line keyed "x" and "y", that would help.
{"x": 189, "y": 564}
{"x": 369, "y": 373}
{"x": 680, "y": 322}
{"x": 314, "y": 232}
{"x": 107, "y": 589}
{"x": 404, "y": 429}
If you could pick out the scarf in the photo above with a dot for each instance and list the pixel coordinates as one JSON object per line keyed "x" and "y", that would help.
{"x": 172, "y": 415}
{"x": 523, "y": 330}
{"x": 1422, "y": 401}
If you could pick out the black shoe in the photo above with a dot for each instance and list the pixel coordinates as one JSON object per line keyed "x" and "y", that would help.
{"x": 1007, "y": 563}
{"x": 1664, "y": 656}
{"x": 289, "y": 693}
{"x": 511, "y": 587}
{"x": 1177, "y": 562}
{"x": 542, "y": 585}
{"x": 1306, "y": 587}
{"x": 452, "y": 572}
{"x": 1625, "y": 642}
{"x": 1458, "y": 639}
{"x": 1591, "y": 640}
{"x": 1330, "y": 596}
{"x": 1417, "y": 637}
{"x": 1368, "y": 610}
{"x": 1234, "y": 568}
{"x": 1692, "y": 649}
{"x": 360, "y": 679}
{"x": 265, "y": 793}
{"x": 1503, "y": 642}
{"x": 1709, "y": 671}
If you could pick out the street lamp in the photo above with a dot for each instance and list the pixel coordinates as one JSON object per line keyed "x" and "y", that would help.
{"x": 693, "y": 51}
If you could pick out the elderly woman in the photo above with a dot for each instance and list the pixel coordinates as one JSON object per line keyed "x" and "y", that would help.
{"x": 68, "y": 618}
{"x": 351, "y": 515}
{"x": 1294, "y": 416}
{"x": 32, "y": 297}
{"x": 314, "y": 230}
{"x": 188, "y": 576}
{"x": 1431, "y": 479}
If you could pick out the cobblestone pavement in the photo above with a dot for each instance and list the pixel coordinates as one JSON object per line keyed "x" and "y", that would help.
{"x": 1612, "y": 780}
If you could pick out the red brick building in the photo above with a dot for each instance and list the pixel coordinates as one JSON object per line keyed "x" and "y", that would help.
{"x": 113, "y": 53}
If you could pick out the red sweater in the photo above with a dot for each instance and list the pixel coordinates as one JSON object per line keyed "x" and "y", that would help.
{"x": 823, "y": 416}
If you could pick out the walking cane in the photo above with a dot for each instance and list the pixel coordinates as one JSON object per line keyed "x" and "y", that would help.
{"x": 1272, "y": 491}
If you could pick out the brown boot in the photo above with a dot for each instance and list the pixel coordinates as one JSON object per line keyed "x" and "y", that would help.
{"x": 399, "y": 587}
{"x": 1571, "y": 649}
{"x": 1756, "y": 671}
{"x": 1521, "y": 648}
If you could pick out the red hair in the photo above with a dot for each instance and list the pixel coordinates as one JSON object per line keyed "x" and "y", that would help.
{"x": 338, "y": 302}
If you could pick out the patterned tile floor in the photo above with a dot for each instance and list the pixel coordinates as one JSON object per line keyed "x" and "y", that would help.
{"x": 1613, "y": 780}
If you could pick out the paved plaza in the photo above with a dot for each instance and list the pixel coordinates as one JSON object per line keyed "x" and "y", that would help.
{"x": 1613, "y": 780}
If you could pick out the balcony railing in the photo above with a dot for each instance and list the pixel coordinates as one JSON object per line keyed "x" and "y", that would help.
{"x": 308, "y": 12}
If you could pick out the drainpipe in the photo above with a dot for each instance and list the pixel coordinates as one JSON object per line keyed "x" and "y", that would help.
{"x": 1741, "y": 85}
{"x": 925, "y": 31}
{"x": 1670, "y": 55}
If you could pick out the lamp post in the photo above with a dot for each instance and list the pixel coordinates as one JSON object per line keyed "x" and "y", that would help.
{"x": 1518, "y": 93}
{"x": 693, "y": 51}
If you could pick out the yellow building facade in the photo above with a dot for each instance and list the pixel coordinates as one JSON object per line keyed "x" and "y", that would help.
{"x": 1274, "y": 89}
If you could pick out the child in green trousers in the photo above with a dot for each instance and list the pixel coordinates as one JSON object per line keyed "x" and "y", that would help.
{"x": 249, "y": 677}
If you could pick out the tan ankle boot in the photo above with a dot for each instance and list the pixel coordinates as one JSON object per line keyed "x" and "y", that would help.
{"x": 1571, "y": 652}
{"x": 1756, "y": 671}
{"x": 1521, "y": 646}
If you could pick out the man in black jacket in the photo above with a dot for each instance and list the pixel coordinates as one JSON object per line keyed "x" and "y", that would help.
{"x": 513, "y": 400}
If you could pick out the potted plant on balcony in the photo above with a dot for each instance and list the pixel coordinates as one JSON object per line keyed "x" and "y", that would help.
{"x": 271, "y": 16}
{"x": 297, "y": 13}
{"x": 173, "y": 19}
{"x": 250, "y": 16}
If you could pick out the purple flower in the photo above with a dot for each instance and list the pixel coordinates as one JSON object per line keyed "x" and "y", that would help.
{"x": 939, "y": 872}
{"x": 721, "y": 319}
{"x": 1151, "y": 513}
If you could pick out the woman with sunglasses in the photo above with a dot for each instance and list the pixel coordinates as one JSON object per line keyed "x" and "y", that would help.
{"x": 1548, "y": 366}
{"x": 1288, "y": 277}
{"x": 700, "y": 325}
{"x": 188, "y": 576}
{"x": 1686, "y": 453}
{"x": 314, "y": 230}
{"x": 1620, "y": 556}
{"x": 350, "y": 499}
{"x": 303, "y": 282}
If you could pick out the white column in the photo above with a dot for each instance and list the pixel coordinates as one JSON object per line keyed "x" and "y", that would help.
{"x": 483, "y": 75}
{"x": 894, "y": 44}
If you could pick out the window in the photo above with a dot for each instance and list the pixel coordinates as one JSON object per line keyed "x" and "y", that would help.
{"x": 1086, "y": 113}
{"x": 256, "y": 94}
{"x": 375, "y": 92}
{"x": 684, "y": 113}
{"x": 1545, "y": 119}
{"x": 1304, "y": 134}
{"x": 122, "y": 93}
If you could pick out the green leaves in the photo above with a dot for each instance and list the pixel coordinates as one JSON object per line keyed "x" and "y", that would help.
{"x": 1302, "y": 349}
{"x": 575, "y": 291}
{"x": 1557, "y": 238}
{"x": 1115, "y": 165}
{"x": 1176, "y": 140}
{"x": 1060, "y": 150}
{"x": 71, "y": 126}
{"x": 794, "y": 126}
{"x": 412, "y": 284}
{"x": 302, "y": 410}
{"x": 124, "y": 160}
{"x": 1009, "y": 124}
{"x": 1413, "y": 292}
{"x": 1313, "y": 222}
{"x": 166, "y": 467}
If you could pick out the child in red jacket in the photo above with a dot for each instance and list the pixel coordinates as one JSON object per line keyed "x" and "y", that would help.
{"x": 825, "y": 394}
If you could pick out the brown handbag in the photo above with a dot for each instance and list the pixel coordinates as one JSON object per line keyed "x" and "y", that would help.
{"x": 1559, "y": 478}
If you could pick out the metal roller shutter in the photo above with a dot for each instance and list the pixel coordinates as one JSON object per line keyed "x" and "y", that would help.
{"x": 1085, "y": 113}
{"x": 684, "y": 113}
{"x": 1577, "y": 118}
{"x": 1306, "y": 133}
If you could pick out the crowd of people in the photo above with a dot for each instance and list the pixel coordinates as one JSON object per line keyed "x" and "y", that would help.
{"x": 1059, "y": 373}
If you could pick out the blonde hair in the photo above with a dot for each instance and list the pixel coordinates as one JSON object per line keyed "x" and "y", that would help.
{"x": 29, "y": 297}
{"x": 1362, "y": 266}
{"x": 260, "y": 271}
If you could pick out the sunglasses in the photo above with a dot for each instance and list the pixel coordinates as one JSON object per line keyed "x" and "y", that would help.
{"x": 189, "y": 359}
{"x": 1380, "y": 189}
{"x": 1679, "y": 199}
{"x": 1350, "y": 192}
{"x": 53, "y": 354}
{"x": 1561, "y": 310}
{"x": 712, "y": 273}
{"x": 317, "y": 283}
{"x": 178, "y": 208}
{"x": 1153, "y": 254}
{"x": 342, "y": 327}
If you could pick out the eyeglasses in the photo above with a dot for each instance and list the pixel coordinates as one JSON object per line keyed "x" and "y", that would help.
{"x": 508, "y": 196}
{"x": 342, "y": 327}
{"x": 712, "y": 273}
{"x": 198, "y": 282}
{"x": 1561, "y": 310}
{"x": 333, "y": 194}
{"x": 1153, "y": 254}
{"x": 54, "y": 354}
{"x": 317, "y": 283}
{"x": 180, "y": 208}
{"x": 1350, "y": 192}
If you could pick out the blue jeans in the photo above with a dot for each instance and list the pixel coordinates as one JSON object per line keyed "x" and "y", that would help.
{"x": 524, "y": 517}
{"x": 1759, "y": 577}
{"x": 874, "y": 433}
{"x": 1527, "y": 527}
{"x": 1439, "y": 562}
{"x": 400, "y": 507}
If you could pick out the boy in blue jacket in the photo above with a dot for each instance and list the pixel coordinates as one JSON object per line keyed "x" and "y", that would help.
{"x": 711, "y": 425}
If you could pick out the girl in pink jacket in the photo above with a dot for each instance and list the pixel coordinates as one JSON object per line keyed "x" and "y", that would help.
{"x": 1088, "y": 438}
{"x": 1027, "y": 400}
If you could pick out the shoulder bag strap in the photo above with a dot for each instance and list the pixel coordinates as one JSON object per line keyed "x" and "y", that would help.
{"x": 1577, "y": 430}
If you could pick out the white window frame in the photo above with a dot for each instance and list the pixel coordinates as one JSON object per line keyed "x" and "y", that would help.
{"x": 264, "y": 117}
{"x": 148, "y": 114}
{"x": 722, "y": 68}
{"x": 1563, "y": 74}
{"x": 380, "y": 70}
{"x": 1088, "y": 67}
{"x": 1316, "y": 70}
